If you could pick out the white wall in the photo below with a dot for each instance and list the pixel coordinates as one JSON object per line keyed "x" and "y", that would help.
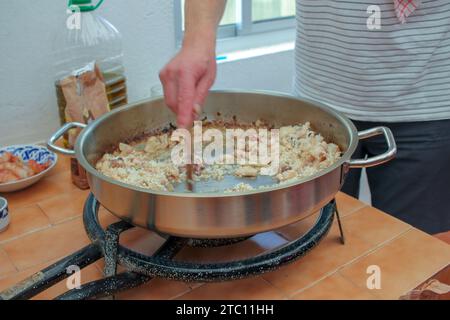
{"x": 28, "y": 111}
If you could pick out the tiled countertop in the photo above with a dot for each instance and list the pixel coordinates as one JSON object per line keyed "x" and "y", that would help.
{"x": 46, "y": 225}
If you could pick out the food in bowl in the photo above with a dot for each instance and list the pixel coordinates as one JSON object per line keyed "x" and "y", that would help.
{"x": 23, "y": 165}
{"x": 146, "y": 162}
{"x": 14, "y": 168}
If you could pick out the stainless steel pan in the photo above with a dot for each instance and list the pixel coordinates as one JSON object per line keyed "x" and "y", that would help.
{"x": 219, "y": 215}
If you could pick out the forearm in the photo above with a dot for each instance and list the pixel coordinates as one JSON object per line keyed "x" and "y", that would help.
{"x": 188, "y": 77}
{"x": 202, "y": 18}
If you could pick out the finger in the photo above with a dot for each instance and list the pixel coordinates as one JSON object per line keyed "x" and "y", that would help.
{"x": 170, "y": 89}
{"x": 197, "y": 111}
{"x": 186, "y": 99}
{"x": 202, "y": 90}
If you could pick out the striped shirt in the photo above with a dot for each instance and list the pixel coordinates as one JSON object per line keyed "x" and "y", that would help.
{"x": 398, "y": 73}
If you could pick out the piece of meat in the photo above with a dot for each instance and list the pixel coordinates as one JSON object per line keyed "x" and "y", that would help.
{"x": 287, "y": 175}
{"x": 7, "y": 176}
{"x": 19, "y": 170}
{"x": 6, "y": 157}
{"x": 117, "y": 163}
{"x": 156, "y": 144}
{"x": 247, "y": 172}
{"x": 125, "y": 148}
{"x": 37, "y": 167}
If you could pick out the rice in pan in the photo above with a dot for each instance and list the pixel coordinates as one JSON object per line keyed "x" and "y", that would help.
{"x": 147, "y": 162}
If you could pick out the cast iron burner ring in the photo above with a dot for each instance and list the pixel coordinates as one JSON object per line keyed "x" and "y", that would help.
{"x": 214, "y": 243}
{"x": 141, "y": 268}
{"x": 164, "y": 267}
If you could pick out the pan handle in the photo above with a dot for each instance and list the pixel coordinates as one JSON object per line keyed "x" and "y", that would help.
{"x": 379, "y": 159}
{"x": 58, "y": 134}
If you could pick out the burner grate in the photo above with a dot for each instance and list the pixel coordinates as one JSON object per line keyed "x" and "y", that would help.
{"x": 142, "y": 268}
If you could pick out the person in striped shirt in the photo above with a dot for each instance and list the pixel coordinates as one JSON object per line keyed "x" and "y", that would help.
{"x": 384, "y": 62}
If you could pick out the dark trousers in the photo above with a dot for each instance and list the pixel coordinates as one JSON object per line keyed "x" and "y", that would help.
{"x": 414, "y": 187}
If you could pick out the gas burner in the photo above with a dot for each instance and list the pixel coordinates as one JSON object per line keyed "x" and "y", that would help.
{"x": 214, "y": 243}
{"x": 142, "y": 268}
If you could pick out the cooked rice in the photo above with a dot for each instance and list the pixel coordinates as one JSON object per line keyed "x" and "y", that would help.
{"x": 147, "y": 163}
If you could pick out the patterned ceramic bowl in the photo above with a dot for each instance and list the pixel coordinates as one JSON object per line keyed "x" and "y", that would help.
{"x": 4, "y": 216}
{"x": 29, "y": 152}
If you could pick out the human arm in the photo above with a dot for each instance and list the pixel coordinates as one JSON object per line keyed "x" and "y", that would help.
{"x": 188, "y": 77}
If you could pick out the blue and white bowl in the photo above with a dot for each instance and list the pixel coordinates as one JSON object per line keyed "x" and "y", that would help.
{"x": 29, "y": 152}
{"x": 4, "y": 214}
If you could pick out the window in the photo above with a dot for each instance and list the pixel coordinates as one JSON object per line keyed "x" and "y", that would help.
{"x": 243, "y": 17}
{"x": 272, "y": 9}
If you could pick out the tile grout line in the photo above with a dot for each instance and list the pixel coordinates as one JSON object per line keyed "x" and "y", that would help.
{"x": 10, "y": 261}
{"x": 24, "y": 270}
{"x": 67, "y": 220}
{"x": 45, "y": 263}
{"x": 358, "y": 286}
{"x": 190, "y": 289}
{"x": 55, "y": 223}
{"x": 45, "y": 213}
{"x": 283, "y": 294}
{"x": 378, "y": 211}
{"x": 179, "y": 295}
{"x": 327, "y": 275}
{"x": 49, "y": 226}
{"x": 351, "y": 212}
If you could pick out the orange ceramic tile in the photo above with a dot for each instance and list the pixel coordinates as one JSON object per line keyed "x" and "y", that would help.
{"x": 325, "y": 259}
{"x": 46, "y": 188}
{"x": 404, "y": 263}
{"x": 374, "y": 226}
{"x": 47, "y": 244}
{"x": 23, "y": 221}
{"x": 156, "y": 289}
{"x": 347, "y": 205}
{"x": 6, "y": 266}
{"x": 64, "y": 206}
{"x": 334, "y": 287}
{"x": 247, "y": 289}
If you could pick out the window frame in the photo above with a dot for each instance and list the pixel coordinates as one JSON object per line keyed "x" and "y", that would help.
{"x": 244, "y": 26}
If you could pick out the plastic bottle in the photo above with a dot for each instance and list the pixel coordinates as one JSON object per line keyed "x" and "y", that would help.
{"x": 86, "y": 37}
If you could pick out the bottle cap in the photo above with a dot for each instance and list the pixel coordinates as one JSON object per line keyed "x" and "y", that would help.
{"x": 84, "y": 5}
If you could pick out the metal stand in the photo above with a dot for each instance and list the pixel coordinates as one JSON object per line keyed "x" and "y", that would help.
{"x": 141, "y": 268}
{"x": 341, "y": 230}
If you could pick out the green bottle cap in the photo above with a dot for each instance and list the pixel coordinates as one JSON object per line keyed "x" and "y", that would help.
{"x": 84, "y": 5}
